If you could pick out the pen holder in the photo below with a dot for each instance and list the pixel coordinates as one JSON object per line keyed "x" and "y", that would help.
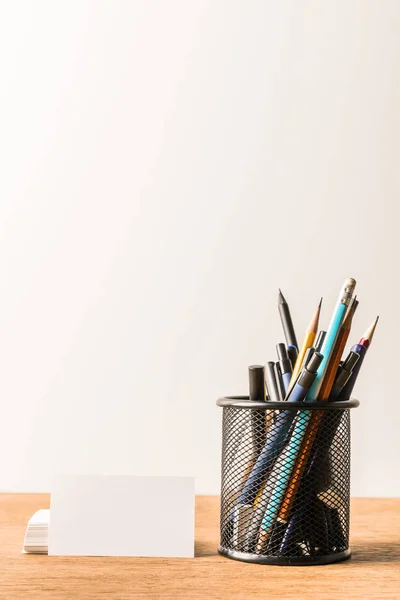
{"x": 285, "y": 489}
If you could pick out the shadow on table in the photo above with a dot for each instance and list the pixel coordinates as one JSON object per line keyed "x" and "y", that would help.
{"x": 379, "y": 552}
{"x": 382, "y": 552}
{"x": 202, "y": 549}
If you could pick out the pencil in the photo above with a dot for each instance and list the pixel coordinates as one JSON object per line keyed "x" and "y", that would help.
{"x": 337, "y": 352}
{"x": 287, "y": 323}
{"x": 335, "y": 324}
{"x": 369, "y": 334}
{"x": 308, "y": 341}
{"x": 303, "y": 430}
{"x": 324, "y": 393}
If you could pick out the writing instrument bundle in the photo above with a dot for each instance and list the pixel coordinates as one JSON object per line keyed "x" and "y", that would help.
{"x": 285, "y": 494}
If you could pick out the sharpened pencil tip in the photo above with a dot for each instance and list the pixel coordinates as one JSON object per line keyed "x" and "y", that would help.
{"x": 313, "y": 325}
{"x": 369, "y": 334}
{"x": 281, "y": 296}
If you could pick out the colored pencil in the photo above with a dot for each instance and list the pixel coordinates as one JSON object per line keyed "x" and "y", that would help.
{"x": 369, "y": 334}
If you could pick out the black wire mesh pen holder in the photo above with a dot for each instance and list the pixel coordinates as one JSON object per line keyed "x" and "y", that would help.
{"x": 285, "y": 489}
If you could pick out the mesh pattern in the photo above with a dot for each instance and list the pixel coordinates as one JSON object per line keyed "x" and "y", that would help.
{"x": 285, "y": 482}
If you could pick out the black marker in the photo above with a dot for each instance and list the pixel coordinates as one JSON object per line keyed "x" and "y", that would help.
{"x": 257, "y": 393}
{"x": 344, "y": 373}
{"x": 292, "y": 353}
{"x": 279, "y": 382}
{"x": 285, "y": 366}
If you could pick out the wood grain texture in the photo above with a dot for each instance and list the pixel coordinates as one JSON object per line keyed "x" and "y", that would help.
{"x": 373, "y": 571}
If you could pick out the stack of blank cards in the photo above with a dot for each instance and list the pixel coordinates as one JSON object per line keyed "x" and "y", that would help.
{"x": 37, "y": 533}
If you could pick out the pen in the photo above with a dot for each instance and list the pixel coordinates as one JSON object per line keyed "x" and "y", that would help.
{"x": 273, "y": 447}
{"x": 285, "y": 366}
{"x": 253, "y": 437}
{"x": 287, "y": 323}
{"x": 257, "y": 392}
{"x": 241, "y": 516}
{"x": 292, "y": 354}
{"x": 343, "y": 375}
{"x": 308, "y": 355}
{"x": 272, "y": 386}
{"x": 320, "y": 340}
{"x": 252, "y": 430}
{"x": 279, "y": 478}
{"x": 278, "y": 432}
{"x": 316, "y": 348}
{"x": 361, "y": 348}
{"x": 279, "y": 382}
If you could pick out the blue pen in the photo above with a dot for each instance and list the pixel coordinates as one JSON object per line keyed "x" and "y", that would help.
{"x": 284, "y": 466}
{"x": 361, "y": 349}
{"x": 278, "y": 432}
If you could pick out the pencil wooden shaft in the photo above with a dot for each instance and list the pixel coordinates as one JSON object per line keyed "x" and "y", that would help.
{"x": 324, "y": 393}
{"x": 337, "y": 352}
{"x": 300, "y": 466}
{"x": 308, "y": 341}
{"x": 334, "y": 363}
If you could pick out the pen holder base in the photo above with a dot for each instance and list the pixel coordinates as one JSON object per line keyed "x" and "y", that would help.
{"x": 294, "y": 561}
{"x": 285, "y": 491}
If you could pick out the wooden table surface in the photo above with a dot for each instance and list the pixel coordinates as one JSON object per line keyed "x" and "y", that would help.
{"x": 373, "y": 571}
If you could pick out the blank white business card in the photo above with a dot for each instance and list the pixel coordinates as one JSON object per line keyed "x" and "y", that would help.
{"x": 122, "y": 515}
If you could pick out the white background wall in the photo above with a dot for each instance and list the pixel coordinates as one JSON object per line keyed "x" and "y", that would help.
{"x": 165, "y": 167}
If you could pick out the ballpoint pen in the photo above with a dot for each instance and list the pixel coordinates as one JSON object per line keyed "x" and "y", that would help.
{"x": 361, "y": 348}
